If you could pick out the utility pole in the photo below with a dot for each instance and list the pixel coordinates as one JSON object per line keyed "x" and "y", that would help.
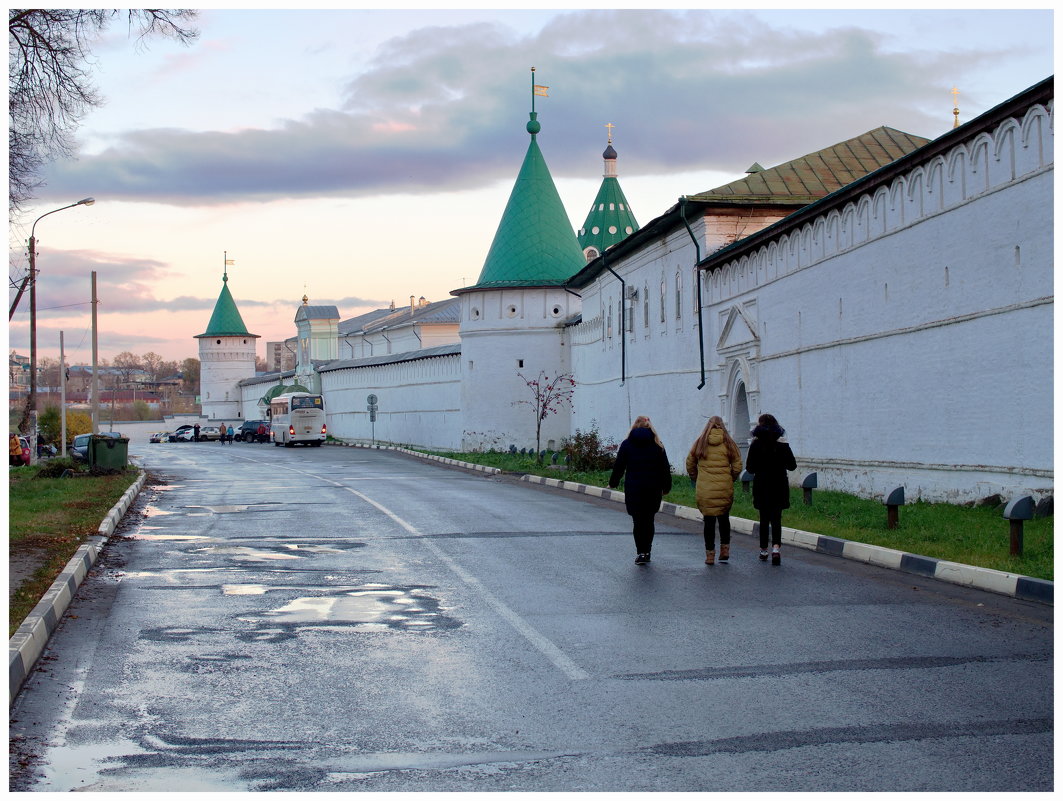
{"x": 95, "y": 377}
{"x": 62, "y": 397}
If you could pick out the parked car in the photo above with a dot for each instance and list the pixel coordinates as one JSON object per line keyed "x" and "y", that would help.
{"x": 19, "y": 451}
{"x": 252, "y": 431}
{"x": 159, "y": 436}
{"x": 187, "y": 435}
{"x": 210, "y": 434}
{"x": 180, "y": 430}
{"x": 80, "y": 449}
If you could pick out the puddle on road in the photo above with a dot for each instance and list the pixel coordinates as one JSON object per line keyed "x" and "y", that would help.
{"x": 179, "y": 537}
{"x": 245, "y": 589}
{"x": 238, "y": 507}
{"x": 372, "y": 608}
{"x": 245, "y": 554}
{"x": 154, "y": 511}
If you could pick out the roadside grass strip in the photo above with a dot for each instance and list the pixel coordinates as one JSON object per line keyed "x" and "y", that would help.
{"x": 29, "y": 640}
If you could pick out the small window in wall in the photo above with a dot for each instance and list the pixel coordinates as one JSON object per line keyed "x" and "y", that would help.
{"x": 609, "y": 326}
{"x": 678, "y": 295}
{"x": 218, "y": 341}
{"x": 520, "y": 362}
{"x": 663, "y": 289}
{"x": 646, "y": 307}
{"x": 475, "y": 313}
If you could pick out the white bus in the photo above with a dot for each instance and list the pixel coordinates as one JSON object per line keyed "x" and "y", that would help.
{"x": 297, "y": 417}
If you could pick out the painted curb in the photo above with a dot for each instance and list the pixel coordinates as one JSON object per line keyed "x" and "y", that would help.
{"x": 982, "y": 578}
{"x": 1024, "y": 588}
{"x": 27, "y": 644}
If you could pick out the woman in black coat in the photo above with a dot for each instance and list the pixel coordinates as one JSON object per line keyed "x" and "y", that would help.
{"x": 649, "y": 478}
{"x": 768, "y": 460}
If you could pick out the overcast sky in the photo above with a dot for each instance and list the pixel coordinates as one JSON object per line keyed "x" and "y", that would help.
{"x": 365, "y": 156}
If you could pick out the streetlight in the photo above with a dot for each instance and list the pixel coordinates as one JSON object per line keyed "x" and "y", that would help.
{"x": 31, "y": 401}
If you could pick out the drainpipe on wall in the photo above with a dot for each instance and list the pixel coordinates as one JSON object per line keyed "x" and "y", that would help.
{"x": 697, "y": 263}
{"x": 623, "y": 327}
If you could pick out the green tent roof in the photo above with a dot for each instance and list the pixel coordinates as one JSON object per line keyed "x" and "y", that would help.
{"x": 226, "y": 320}
{"x": 534, "y": 244}
{"x": 610, "y": 218}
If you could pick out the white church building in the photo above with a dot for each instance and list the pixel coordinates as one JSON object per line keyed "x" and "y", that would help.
{"x": 888, "y": 299}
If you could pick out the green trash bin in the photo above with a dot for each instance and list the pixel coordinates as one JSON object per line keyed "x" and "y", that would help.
{"x": 108, "y": 452}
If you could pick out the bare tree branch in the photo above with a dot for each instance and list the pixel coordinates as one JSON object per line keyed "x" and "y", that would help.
{"x": 50, "y": 86}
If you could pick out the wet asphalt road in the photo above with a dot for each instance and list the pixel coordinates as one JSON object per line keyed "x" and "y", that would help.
{"x": 335, "y": 619}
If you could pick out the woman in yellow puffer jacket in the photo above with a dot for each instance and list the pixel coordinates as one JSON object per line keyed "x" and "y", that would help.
{"x": 714, "y": 462}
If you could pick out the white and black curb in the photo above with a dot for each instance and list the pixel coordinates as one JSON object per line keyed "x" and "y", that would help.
{"x": 429, "y": 456}
{"x": 27, "y": 644}
{"x": 1022, "y": 587}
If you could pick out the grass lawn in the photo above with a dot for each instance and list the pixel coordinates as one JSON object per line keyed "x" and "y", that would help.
{"x": 971, "y": 536}
{"x": 48, "y": 519}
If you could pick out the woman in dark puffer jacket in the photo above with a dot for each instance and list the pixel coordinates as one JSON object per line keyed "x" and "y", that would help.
{"x": 768, "y": 460}
{"x": 649, "y": 478}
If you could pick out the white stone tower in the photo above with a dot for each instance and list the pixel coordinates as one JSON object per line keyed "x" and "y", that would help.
{"x": 226, "y": 357}
{"x": 513, "y": 318}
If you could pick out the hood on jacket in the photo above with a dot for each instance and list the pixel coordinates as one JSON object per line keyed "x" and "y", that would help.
{"x": 642, "y": 437}
{"x": 768, "y": 432}
{"x": 715, "y": 437}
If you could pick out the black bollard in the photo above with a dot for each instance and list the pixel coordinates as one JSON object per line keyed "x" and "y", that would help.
{"x": 810, "y": 482}
{"x": 893, "y": 501}
{"x": 1018, "y": 510}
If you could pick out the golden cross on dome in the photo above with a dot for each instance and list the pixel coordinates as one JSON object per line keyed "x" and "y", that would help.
{"x": 609, "y": 127}
{"x": 955, "y": 107}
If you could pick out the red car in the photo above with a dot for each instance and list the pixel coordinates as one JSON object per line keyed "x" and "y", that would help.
{"x": 19, "y": 448}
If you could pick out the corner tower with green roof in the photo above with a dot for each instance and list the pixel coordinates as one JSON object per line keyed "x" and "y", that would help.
{"x": 610, "y": 218}
{"x": 513, "y": 317}
{"x": 226, "y": 357}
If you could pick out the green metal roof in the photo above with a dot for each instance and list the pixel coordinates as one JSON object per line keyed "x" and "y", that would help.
{"x": 805, "y": 180}
{"x": 534, "y": 244}
{"x": 610, "y": 218}
{"x": 226, "y": 320}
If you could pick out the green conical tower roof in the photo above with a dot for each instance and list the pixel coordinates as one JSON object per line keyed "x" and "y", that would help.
{"x": 610, "y": 218}
{"x": 226, "y": 320}
{"x": 534, "y": 244}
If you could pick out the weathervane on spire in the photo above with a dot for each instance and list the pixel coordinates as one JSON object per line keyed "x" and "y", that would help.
{"x": 955, "y": 107}
{"x": 537, "y": 89}
{"x": 534, "y": 126}
{"x": 228, "y": 263}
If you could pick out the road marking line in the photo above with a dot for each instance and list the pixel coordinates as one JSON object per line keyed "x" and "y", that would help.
{"x": 547, "y": 648}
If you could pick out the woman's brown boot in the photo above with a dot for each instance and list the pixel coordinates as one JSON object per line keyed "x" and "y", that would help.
{"x": 710, "y": 557}
{"x": 725, "y": 553}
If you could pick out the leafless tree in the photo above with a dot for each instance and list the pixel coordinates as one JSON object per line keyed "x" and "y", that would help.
{"x": 49, "y": 83}
{"x": 548, "y": 395}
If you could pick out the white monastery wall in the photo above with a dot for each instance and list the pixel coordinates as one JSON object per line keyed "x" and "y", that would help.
{"x": 900, "y": 340}
{"x": 418, "y": 402}
{"x": 661, "y": 349}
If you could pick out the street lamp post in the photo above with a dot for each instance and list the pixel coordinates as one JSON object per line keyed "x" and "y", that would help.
{"x": 31, "y": 400}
